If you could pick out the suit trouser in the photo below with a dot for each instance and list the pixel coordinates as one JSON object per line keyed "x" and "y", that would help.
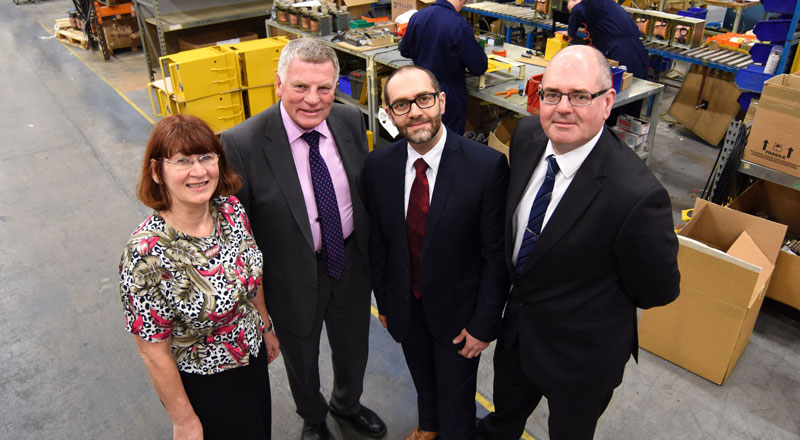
{"x": 445, "y": 380}
{"x": 572, "y": 417}
{"x": 344, "y": 307}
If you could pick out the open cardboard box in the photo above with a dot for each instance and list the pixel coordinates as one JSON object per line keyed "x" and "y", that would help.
{"x": 781, "y": 204}
{"x": 726, "y": 258}
{"x": 500, "y": 137}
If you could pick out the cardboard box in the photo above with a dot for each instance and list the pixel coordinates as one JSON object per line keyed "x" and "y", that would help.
{"x": 706, "y": 103}
{"x": 627, "y": 81}
{"x": 633, "y": 125}
{"x": 500, "y": 137}
{"x": 725, "y": 258}
{"x": 773, "y": 140}
{"x": 633, "y": 140}
{"x": 356, "y": 8}
{"x": 401, "y": 6}
{"x": 120, "y": 32}
{"x": 782, "y": 205}
{"x": 227, "y": 36}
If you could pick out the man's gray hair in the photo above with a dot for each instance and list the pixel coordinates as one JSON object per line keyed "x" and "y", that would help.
{"x": 310, "y": 50}
{"x": 604, "y": 80}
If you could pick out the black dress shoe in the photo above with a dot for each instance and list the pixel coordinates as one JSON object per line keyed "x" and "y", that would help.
{"x": 365, "y": 422}
{"x": 316, "y": 431}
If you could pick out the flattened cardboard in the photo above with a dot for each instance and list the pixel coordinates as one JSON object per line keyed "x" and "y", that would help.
{"x": 783, "y": 205}
{"x": 719, "y": 94}
{"x": 725, "y": 258}
{"x": 773, "y": 140}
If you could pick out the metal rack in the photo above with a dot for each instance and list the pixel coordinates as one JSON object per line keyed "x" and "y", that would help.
{"x": 170, "y": 16}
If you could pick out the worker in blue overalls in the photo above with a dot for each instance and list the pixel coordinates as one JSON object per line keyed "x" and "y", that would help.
{"x": 611, "y": 30}
{"x": 440, "y": 40}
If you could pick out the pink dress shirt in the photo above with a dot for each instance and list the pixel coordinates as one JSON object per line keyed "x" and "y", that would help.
{"x": 329, "y": 152}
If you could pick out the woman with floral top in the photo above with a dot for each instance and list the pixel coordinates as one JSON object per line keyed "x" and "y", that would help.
{"x": 190, "y": 284}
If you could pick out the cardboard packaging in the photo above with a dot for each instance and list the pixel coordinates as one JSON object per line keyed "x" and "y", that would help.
{"x": 781, "y": 204}
{"x": 633, "y": 125}
{"x": 500, "y": 137}
{"x": 227, "y": 36}
{"x": 726, "y": 258}
{"x": 633, "y": 140}
{"x": 627, "y": 81}
{"x": 121, "y": 32}
{"x": 356, "y": 8}
{"x": 773, "y": 140}
{"x": 401, "y": 6}
{"x": 706, "y": 103}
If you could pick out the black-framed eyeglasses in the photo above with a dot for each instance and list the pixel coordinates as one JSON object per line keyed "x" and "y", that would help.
{"x": 403, "y": 106}
{"x": 553, "y": 97}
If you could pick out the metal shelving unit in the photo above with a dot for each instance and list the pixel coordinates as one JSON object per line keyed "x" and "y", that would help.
{"x": 769, "y": 174}
{"x": 176, "y": 15}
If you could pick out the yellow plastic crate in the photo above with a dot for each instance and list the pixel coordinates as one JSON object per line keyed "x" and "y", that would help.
{"x": 260, "y": 98}
{"x": 161, "y": 93}
{"x": 200, "y": 73}
{"x": 257, "y": 59}
{"x": 221, "y": 111}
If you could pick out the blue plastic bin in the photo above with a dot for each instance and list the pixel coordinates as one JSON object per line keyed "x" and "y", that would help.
{"x": 774, "y": 31}
{"x": 782, "y": 6}
{"x": 694, "y": 13}
{"x": 616, "y": 78}
{"x": 751, "y": 78}
{"x": 760, "y": 52}
{"x": 344, "y": 84}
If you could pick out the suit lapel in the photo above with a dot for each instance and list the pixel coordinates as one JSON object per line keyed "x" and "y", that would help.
{"x": 584, "y": 188}
{"x": 279, "y": 155}
{"x": 445, "y": 175}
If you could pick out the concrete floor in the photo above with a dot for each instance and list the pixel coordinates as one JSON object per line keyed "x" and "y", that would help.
{"x": 74, "y": 129}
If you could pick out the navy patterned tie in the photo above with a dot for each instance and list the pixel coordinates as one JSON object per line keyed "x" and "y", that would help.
{"x": 327, "y": 207}
{"x": 416, "y": 219}
{"x": 536, "y": 217}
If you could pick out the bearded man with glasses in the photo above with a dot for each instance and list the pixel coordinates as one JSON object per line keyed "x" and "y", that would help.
{"x": 589, "y": 238}
{"x": 436, "y": 201}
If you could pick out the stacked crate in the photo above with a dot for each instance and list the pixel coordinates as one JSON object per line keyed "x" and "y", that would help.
{"x": 223, "y": 85}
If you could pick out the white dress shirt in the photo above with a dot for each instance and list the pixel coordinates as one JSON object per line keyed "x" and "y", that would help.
{"x": 432, "y": 158}
{"x": 568, "y": 164}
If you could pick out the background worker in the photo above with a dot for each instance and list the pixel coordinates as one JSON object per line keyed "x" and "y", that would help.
{"x": 612, "y": 31}
{"x": 440, "y": 40}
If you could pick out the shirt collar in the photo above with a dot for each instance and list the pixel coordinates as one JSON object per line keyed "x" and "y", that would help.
{"x": 432, "y": 157}
{"x": 294, "y": 131}
{"x": 570, "y": 162}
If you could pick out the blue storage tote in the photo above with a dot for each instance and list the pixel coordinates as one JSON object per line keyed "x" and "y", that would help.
{"x": 694, "y": 13}
{"x": 774, "y": 31}
{"x": 782, "y": 6}
{"x": 751, "y": 78}
{"x": 616, "y": 78}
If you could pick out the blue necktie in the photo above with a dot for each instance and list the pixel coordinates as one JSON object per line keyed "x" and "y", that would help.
{"x": 327, "y": 207}
{"x": 536, "y": 217}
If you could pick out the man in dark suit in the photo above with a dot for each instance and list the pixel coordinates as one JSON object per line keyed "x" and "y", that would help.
{"x": 589, "y": 238}
{"x": 437, "y": 204}
{"x": 301, "y": 161}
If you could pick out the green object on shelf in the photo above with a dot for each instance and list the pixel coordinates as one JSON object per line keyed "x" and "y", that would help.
{"x": 360, "y": 24}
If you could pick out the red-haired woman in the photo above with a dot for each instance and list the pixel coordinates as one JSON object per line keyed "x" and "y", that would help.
{"x": 190, "y": 284}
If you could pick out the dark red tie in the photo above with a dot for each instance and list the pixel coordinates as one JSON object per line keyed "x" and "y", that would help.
{"x": 416, "y": 218}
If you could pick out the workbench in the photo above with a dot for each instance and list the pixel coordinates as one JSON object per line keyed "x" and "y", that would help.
{"x": 495, "y": 82}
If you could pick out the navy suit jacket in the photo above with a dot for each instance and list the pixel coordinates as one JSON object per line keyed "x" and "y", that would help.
{"x": 608, "y": 248}
{"x": 463, "y": 276}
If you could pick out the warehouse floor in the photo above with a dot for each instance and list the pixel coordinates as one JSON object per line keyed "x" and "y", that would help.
{"x": 74, "y": 129}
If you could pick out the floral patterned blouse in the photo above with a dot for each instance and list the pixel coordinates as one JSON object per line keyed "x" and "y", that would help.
{"x": 195, "y": 291}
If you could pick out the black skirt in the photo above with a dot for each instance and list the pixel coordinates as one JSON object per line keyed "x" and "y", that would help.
{"x": 235, "y": 403}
